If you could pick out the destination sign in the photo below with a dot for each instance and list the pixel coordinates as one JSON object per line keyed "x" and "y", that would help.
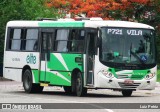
{"x": 134, "y": 32}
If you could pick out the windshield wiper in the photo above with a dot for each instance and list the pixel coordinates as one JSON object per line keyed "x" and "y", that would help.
{"x": 135, "y": 55}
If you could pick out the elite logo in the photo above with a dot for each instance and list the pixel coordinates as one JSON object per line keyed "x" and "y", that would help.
{"x": 31, "y": 59}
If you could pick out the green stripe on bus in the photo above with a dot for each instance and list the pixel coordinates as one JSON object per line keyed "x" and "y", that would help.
{"x": 135, "y": 74}
{"x": 57, "y": 80}
{"x": 71, "y": 63}
{"x": 69, "y": 60}
{"x": 35, "y": 75}
{"x": 61, "y": 24}
{"x": 55, "y": 64}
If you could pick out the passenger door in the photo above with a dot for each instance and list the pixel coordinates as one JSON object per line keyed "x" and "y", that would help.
{"x": 90, "y": 57}
{"x": 46, "y": 46}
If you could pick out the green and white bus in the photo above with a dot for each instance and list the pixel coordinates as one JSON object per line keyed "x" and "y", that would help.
{"x": 81, "y": 55}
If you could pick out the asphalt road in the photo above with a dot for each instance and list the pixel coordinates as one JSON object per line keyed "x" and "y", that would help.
{"x": 12, "y": 92}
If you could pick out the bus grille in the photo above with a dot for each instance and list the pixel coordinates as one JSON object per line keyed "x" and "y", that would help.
{"x": 120, "y": 76}
{"x": 133, "y": 77}
{"x": 126, "y": 86}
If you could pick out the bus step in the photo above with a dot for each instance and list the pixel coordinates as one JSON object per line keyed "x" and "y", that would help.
{"x": 43, "y": 84}
{"x": 90, "y": 85}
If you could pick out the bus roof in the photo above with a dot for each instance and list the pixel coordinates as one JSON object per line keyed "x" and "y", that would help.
{"x": 85, "y": 23}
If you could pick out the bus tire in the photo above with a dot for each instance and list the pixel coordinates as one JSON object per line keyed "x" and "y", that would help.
{"x": 80, "y": 90}
{"x": 127, "y": 93}
{"x": 67, "y": 89}
{"x": 28, "y": 84}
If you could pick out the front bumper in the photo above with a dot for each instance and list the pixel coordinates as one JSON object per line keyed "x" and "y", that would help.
{"x": 114, "y": 83}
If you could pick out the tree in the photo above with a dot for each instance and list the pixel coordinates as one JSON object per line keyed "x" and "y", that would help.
{"x": 107, "y": 9}
{"x": 91, "y": 8}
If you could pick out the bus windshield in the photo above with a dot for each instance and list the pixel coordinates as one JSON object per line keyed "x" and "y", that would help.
{"x": 127, "y": 46}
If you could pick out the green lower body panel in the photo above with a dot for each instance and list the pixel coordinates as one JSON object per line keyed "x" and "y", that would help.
{"x": 58, "y": 70}
{"x": 53, "y": 77}
{"x": 59, "y": 78}
{"x": 35, "y": 76}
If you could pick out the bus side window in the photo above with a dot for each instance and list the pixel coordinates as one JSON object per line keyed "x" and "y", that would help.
{"x": 31, "y": 40}
{"x": 15, "y": 39}
{"x": 61, "y": 40}
{"x": 81, "y": 37}
{"x": 77, "y": 41}
{"x": 73, "y": 41}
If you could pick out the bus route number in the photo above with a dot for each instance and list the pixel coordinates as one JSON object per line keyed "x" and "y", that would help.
{"x": 115, "y": 31}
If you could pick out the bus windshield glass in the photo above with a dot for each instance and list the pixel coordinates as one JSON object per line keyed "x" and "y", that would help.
{"x": 127, "y": 46}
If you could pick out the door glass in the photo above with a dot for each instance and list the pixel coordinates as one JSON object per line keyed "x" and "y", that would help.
{"x": 90, "y": 57}
{"x": 44, "y": 39}
{"x": 91, "y": 48}
{"x": 46, "y": 44}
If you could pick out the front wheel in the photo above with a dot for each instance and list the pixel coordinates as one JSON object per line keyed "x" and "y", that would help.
{"x": 127, "y": 93}
{"x": 28, "y": 84}
{"x": 80, "y": 90}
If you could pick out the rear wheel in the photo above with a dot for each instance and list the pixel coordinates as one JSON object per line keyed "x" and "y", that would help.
{"x": 127, "y": 93}
{"x": 28, "y": 84}
{"x": 80, "y": 90}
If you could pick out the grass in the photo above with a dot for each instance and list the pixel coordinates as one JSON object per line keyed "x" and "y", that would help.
{"x": 158, "y": 75}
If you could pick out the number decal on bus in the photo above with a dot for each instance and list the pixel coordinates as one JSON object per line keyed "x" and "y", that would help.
{"x": 115, "y": 31}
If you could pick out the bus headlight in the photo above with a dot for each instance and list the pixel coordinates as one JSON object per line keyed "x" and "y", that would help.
{"x": 107, "y": 74}
{"x": 149, "y": 76}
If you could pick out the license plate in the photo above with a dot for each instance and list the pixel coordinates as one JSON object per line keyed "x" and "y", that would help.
{"x": 128, "y": 82}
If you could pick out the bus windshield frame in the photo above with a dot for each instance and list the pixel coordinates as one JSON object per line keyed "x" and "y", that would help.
{"x": 127, "y": 48}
